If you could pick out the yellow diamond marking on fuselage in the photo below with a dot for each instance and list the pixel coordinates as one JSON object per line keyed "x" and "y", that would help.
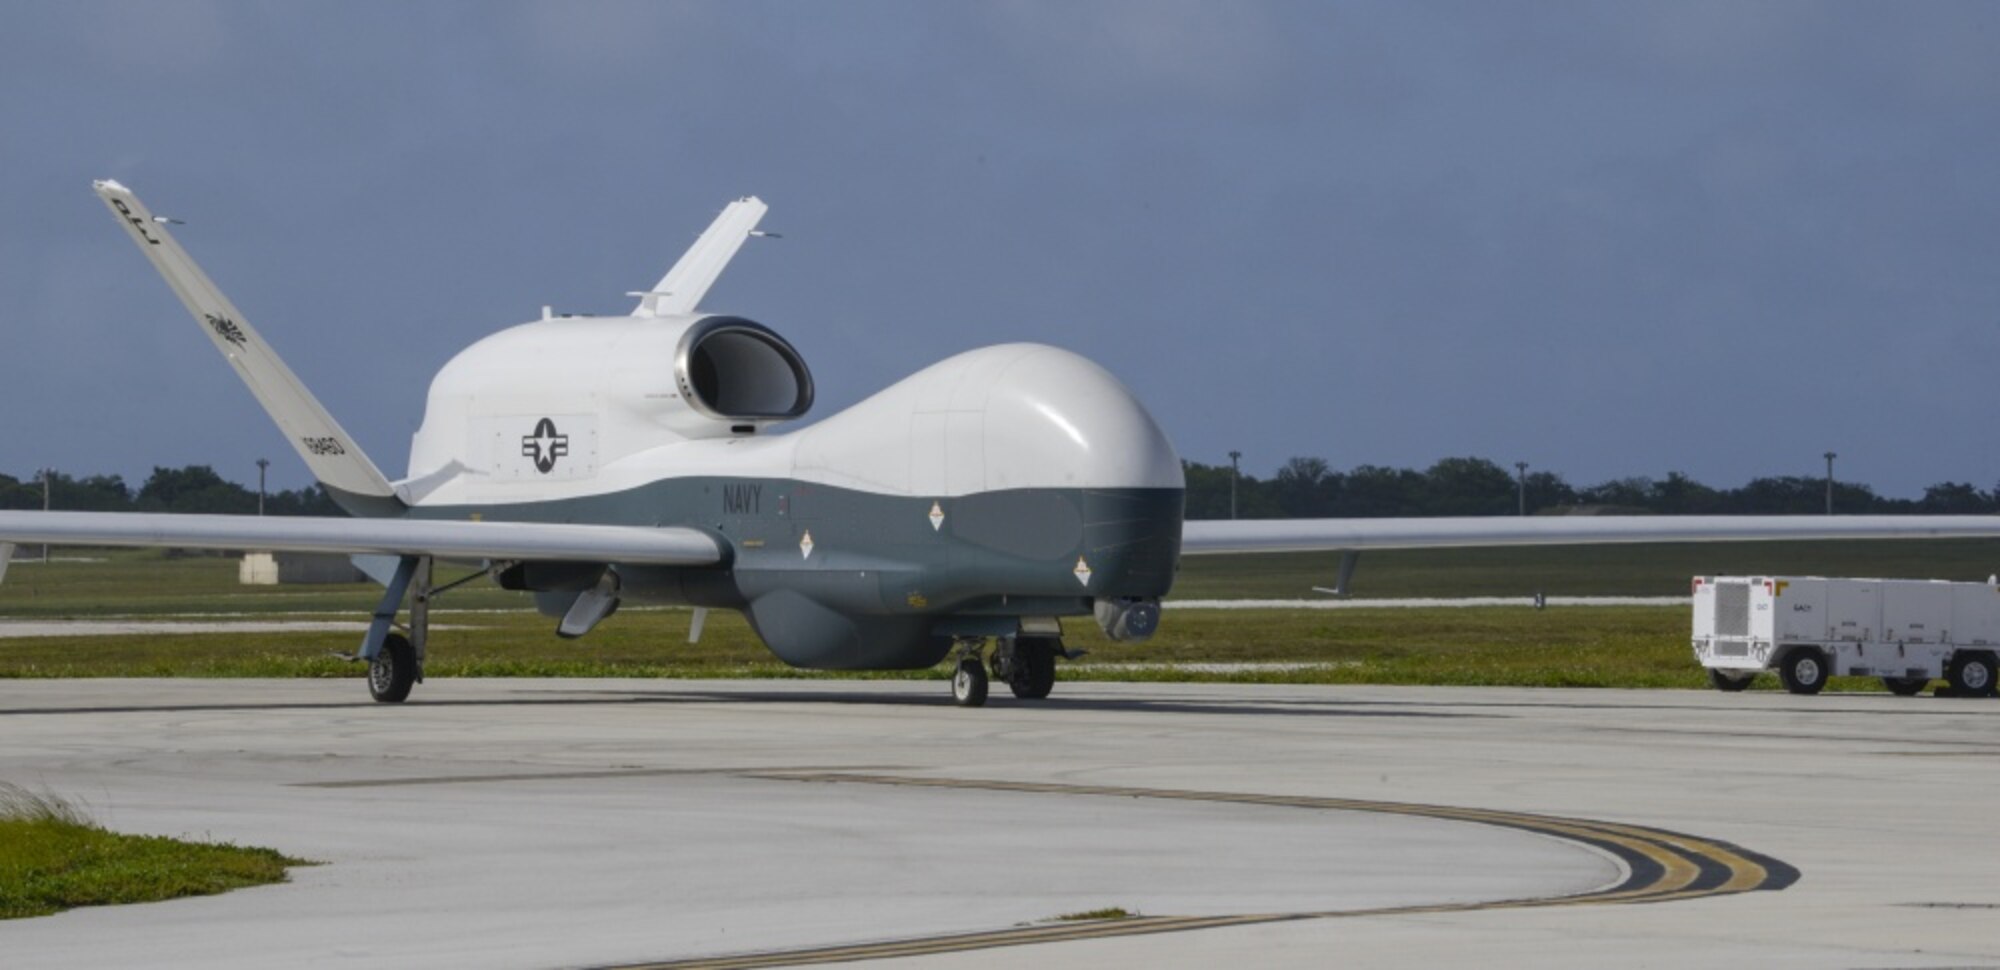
{"x": 806, "y": 545}
{"x": 1082, "y": 571}
{"x": 937, "y": 516}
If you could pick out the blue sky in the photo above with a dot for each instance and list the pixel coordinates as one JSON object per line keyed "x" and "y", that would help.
{"x": 1605, "y": 239}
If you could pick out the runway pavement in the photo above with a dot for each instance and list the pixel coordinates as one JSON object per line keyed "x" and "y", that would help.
{"x": 544, "y": 823}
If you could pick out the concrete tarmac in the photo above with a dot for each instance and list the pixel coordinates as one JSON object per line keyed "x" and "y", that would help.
{"x": 545, "y": 823}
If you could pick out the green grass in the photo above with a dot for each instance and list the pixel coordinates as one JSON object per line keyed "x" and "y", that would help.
{"x": 1564, "y": 646}
{"x": 1568, "y": 646}
{"x": 1661, "y": 569}
{"x": 53, "y": 857}
{"x": 149, "y": 582}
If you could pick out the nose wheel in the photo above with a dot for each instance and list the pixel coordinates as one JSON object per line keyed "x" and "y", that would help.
{"x": 968, "y": 683}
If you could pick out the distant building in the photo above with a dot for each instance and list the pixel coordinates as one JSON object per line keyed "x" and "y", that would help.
{"x": 288, "y": 568}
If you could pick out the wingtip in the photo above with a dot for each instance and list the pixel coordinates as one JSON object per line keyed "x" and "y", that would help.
{"x": 108, "y": 185}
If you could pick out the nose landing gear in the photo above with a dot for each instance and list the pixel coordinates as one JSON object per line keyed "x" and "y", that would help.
{"x": 1025, "y": 663}
{"x": 968, "y": 683}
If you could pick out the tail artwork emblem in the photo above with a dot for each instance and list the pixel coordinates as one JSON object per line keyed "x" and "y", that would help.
{"x": 226, "y": 329}
{"x": 545, "y": 446}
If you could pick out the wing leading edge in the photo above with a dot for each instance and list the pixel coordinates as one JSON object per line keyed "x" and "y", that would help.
{"x": 669, "y": 546}
{"x": 1217, "y": 537}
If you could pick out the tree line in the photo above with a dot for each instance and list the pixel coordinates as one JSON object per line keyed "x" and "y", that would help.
{"x": 1304, "y": 488}
{"x": 195, "y": 488}
{"x": 1309, "y": 488}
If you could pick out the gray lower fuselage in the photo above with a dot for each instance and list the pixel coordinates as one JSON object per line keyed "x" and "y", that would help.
{"x": 837, "y": 578}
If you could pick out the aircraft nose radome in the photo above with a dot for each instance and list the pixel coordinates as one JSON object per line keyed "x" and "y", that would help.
{"x": 1056, "y": 419}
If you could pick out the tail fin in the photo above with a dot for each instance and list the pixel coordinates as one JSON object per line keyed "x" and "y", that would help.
{"x": 697, "y": 269}
{"x": 334, "y": 458}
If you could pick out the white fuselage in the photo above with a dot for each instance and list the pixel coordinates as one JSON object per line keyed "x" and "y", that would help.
{"x": 608, "y": 391}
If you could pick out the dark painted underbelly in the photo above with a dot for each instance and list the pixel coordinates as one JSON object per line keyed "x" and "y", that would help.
{"x": 840, "y": 578}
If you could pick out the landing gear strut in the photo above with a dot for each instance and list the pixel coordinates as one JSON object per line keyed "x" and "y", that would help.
{"x": 1026, "y": 663}
{"x": 396, "y": 660}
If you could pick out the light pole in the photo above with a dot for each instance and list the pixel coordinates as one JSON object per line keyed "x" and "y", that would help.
{"x": 1521, "y": 486}
{"x": 47, "y": 473}
{"x": 262, "y": 463}
{"x": 1830, "y": 456}
{"x": 1234, "y": 473}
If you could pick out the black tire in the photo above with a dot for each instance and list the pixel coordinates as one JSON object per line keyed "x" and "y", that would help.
{"x": 968, "y": 683}
{"x": 1804, "y": 671}
{"x": 1906, "y": 686}
{"x": 393, "y": 671}
{"x": 1972, "y": 675}
{"x": 1726, "y": 681}
{"x": 1034, "y": 669}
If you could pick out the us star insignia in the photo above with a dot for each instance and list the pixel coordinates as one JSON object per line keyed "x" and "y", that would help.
{"x": 545, "y": 445}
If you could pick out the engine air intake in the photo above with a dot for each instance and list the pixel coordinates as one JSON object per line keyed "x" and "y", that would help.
{"x": 734, "y": 369}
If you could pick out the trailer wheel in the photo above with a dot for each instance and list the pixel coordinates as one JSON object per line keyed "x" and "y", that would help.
{"x": 1906, "y": 686}
{"x": 1971, "y": 675}
{"x": 1726, "y": 681}
{"x": 1804, "y": 671}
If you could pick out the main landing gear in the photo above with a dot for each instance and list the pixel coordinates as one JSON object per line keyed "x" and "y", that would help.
{"x": 394, "y": 651}
{"x": 1025, "y": 663}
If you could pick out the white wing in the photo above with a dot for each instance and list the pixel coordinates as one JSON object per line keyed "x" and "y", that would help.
{"x": 1203, "y": 537}
{"x": 673, "y": 546}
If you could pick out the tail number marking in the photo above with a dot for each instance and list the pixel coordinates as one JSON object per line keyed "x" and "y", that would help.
{"x": 138, "y": 224}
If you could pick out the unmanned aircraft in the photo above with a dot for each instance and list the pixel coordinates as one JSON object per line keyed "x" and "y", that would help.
{"x": 962, "y": 512}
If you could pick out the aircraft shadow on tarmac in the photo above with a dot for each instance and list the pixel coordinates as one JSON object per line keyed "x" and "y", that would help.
{"x": 1331, "y": 707}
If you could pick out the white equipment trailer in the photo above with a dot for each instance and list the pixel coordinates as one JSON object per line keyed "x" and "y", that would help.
{"x": 1907, "y": 632}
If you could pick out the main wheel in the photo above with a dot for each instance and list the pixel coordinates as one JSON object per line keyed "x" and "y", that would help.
{"x": 1803, "y": 672}
{"x": 1971, "y": 675}
{"x": 1724, "y": 680}
{"x": 968, "y": 683}
{"x": 393, "y": 670}
{"x": 1906, "y": 686}
{"x": 1034, "y": 668}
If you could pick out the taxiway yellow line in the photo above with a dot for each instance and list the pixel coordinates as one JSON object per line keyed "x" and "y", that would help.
{"x": 1662, "y": 865}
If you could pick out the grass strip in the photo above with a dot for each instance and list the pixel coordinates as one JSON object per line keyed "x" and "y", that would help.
{"x": 1583, "y": 646}
{"x": 1574, "y": 646}
{"x": 53, "y": 857}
